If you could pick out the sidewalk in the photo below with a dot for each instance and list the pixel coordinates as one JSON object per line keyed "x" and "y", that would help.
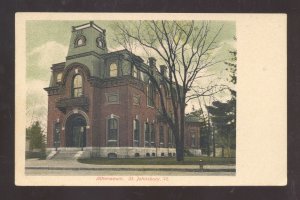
{"x": 74, "y": 165}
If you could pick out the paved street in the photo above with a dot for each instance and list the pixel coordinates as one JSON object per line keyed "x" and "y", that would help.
{"x": 74, "y": 168}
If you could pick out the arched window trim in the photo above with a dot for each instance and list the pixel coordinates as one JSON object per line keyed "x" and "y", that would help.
{"x": 108, "y": 118}
{"x": 100, "y": 41}
{"x": 78, "y": 39}
{"x": 77, "y": 89}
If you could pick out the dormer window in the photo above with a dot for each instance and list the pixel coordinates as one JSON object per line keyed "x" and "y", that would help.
{"x": 58, "y": 77}
{"x": 134, "y": 72}
{"x": 113, "y": 70}
{"x": 80, "y": 41}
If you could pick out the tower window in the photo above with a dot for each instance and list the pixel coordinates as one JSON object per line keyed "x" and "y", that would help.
{"x": 100, "y": 42}
{"x": 80, "y": 41}
{"x": 77, "y": 86}
{"x": 113, "y": 70}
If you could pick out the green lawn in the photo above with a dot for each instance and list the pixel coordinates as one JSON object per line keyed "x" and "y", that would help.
{"x": 159, "y": 161}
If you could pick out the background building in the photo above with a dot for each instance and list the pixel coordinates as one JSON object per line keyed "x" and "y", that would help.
{"x": 100, "y": 102}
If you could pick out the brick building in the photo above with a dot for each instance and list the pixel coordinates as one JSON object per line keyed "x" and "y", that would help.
{"x": 101, "y": 103}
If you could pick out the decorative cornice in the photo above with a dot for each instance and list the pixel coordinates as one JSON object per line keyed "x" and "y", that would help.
{"x": 54, "y": 90}
{"x": 89, "y": 53}
{"x": 58, "y": 66}
{"x": 117, "y": 81}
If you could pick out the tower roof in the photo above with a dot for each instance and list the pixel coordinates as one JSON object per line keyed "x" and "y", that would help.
{"x": 87, "y": 25}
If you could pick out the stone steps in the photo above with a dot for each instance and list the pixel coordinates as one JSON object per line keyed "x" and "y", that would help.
{"x": 65, "y": 155}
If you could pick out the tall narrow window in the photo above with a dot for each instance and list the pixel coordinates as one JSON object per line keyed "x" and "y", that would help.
{"x": 193, "y": 140}
{"x": 161, "y": 135}
{"x": 150, "y": 95}
{"x": 112, "y": 138}
{"x": 171, "y": 138}
{"x": 77, "y": 86}
{"x": 113, "y": 70}
{"x": 152, "y": 135}
{"x": 136, "y": 133}
{"x": 147, "y": 135}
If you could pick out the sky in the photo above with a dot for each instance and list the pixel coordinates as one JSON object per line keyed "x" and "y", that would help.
{"x": 47, "y": 43}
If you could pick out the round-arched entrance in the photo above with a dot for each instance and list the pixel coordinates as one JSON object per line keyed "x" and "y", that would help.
{"x": 75, "y": 131}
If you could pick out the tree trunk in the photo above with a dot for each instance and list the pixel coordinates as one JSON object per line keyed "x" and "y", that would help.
{"x": 179, "y": 152}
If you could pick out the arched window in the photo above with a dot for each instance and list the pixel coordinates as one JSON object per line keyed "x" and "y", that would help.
{"x": 77, "y": 86}
{"x": 136, "y": 133}
{"x": 80, "y": 41}
{"x": 101, "y": 42}
{"x": 113, "y": 70}
{"x": 112, "y": 135}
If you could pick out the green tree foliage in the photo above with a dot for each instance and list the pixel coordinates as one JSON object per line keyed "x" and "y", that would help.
{"x": 223, "y": 115}
{"x": 224, "y": 122}
{"x": 36, "y": 137}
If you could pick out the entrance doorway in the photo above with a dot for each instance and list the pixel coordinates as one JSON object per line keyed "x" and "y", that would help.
{"x": 76, "y": 131}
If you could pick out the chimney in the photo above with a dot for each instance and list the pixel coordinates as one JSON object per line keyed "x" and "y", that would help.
{"x": 152, "y": 62}
{"x": 163, "y": 70}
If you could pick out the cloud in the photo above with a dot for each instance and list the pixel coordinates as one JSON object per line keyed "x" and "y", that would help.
{"x": 38, "y": 74}
{"x": 41, "y": 58}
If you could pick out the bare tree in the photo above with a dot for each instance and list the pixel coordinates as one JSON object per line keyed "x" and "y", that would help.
{"x": 186, "y": 49}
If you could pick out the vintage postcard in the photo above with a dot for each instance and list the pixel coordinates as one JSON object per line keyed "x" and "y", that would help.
{"x": 150, "y": 99}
